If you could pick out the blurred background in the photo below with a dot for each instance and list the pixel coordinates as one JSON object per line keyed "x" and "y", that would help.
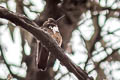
{"x": 91, "y": 39}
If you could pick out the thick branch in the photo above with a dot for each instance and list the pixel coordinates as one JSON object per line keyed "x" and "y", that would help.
{"x": 46, "y": 40}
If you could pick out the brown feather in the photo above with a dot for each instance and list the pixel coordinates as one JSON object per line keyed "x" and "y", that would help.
{"x": 43, "y": 53}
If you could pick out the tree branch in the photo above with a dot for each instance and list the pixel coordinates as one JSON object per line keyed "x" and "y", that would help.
{"x": 98, "y": 64}
{"x": 46, "y": 40}
{"x": 7, "y": 65}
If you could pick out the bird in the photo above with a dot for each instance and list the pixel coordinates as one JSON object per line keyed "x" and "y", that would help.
{"x": 51, "y": 28}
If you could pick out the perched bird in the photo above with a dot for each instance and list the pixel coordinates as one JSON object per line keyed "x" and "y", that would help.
{"x": 51, "y": 28}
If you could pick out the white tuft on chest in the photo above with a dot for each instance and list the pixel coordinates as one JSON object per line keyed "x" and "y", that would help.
{"x": 54, "y": 29}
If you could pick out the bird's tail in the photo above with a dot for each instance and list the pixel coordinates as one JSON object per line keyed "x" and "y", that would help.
{"x": 43, "y": 58}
